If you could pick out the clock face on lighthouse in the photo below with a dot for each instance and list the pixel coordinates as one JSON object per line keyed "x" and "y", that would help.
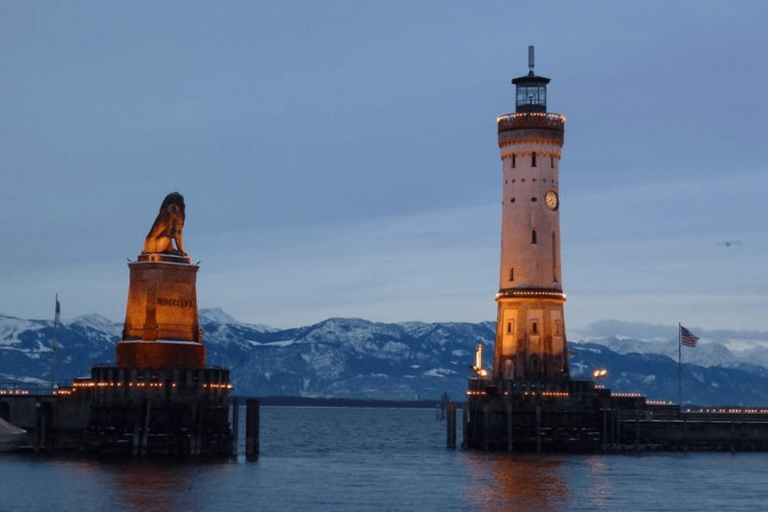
{"x": 550, "y": 199}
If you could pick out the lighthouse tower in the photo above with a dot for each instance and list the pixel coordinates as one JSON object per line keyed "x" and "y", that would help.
{"x": 530, "y": 331}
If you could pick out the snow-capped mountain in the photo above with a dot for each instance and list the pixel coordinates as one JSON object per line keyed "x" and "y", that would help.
{"x": 347, "y": 357}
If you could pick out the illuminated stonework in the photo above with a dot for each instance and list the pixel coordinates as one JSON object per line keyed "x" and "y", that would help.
{"x": 530, "y": 334}
{"x": 161, "y": 324}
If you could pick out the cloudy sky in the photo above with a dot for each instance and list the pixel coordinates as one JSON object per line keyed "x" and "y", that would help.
{"x": 340, "y": 158}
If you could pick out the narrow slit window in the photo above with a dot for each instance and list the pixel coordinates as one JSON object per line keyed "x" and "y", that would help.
{"x": 533, "y": 236}
{"x": 534, "y": 328}
{"x": 554, "y": 257}
{"x": 552, "y": 161}
{"x": 509, "y": 327}
{"x": 533, "y": 159}
{"x": 513, "y": 160}
{"x": 511, "y": 273}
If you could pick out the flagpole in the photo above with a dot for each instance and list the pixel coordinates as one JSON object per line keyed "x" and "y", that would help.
{"x": 679, "y": 365}
{"x": 55, "y": 339}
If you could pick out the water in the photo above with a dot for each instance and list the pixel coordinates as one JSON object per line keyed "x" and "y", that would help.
{"x": 384, "y": 459}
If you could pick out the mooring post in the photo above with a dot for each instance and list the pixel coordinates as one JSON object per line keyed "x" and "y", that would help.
{"x": 235, "y": 424}
{"x": 251, "y": 427}
{"x": 464, "y": 425}
{"x": 538, "y": 429}
{"x": 605, "y": 429}
{"x": 145, "y": 408}
{"x": 195, "y": 443}
{"x": 43, "y": 428}
{"x": 451, "y": 426}
{"x": 136, "y": 430}
{"x": 509, "y": 427}
{"x": 637, "y": 434}
{"x": 38, "y": 412}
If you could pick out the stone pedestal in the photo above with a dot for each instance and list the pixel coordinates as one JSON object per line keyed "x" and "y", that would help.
{"x": 161, "y": 325}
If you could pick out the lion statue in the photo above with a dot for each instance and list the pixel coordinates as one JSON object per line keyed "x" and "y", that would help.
{"x": 167, "y": 227}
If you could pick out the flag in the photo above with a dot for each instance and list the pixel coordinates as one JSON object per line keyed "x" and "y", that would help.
{"x": 687, "y": 338}
{"x": 58, "y": 311}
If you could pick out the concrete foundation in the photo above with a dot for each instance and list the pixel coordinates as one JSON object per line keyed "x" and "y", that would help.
{"x": 127, "y": 411}
{"x": 161, "y": 324}
{"x": 578, "y": 417}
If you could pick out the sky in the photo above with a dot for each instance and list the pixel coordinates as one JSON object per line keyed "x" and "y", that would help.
{"x": 340, "y": 159}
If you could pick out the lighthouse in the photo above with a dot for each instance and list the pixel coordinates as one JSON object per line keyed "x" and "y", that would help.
{"x": 529, "y": 402}
{"x": 530, "y": 332}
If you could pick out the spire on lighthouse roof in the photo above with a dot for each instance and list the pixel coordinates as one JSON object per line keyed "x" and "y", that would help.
{"x": 531, "y": 90}
{"x": 530, "y": 60}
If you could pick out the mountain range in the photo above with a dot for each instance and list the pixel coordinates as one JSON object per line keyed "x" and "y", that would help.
{"x": 354, "y": 358}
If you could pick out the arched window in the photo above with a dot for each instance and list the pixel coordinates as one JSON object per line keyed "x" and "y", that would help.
{"x": 533, "y": 236}
{"x": 533, "y": 159}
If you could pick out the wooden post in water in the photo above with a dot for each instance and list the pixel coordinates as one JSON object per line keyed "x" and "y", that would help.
{"x": 451, "y": 426}
{"x": 251, "y": 427}
{"x": 38, "y": 419}
{"x": 145, "y": 408}
{"x": 235, "y": 424}
{"x": 136, "y": 431}
{"x": 43, "y": 428}
{"x": 538, "y": 429}
{"x": 605, "y": 429}
{"x": 464, "y": 418}
{"x": 637, "y": 434}
{"x": 196, "y": 443}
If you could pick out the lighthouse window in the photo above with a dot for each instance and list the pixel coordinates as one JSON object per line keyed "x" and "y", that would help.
{"x": 512, "y": 200}
{"x": 533, "y": 159}
{"x": 533, "y": 236}
{"x": 511, "y": 273}
{"x": 551, "y": 161}
{"x": 513, "y": 160}
{"x": 534, "y": 328}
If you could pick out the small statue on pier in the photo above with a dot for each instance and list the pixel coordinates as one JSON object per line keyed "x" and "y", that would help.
{"x": 167, "y": 227}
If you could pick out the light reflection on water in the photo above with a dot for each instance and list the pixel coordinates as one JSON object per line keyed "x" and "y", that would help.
{"x": 363, "y": 459}
{"x": 516, "y": 482}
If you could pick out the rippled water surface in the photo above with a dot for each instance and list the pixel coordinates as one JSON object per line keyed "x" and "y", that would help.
{"x": 384, "y": 459}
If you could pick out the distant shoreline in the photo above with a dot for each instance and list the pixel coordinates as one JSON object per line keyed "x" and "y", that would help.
{"x": 303, "y": 401}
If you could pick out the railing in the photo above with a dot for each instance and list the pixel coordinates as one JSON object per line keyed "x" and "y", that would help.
{"x": 727, "y": 410}
{"x": 23, "y": 388}
{"x": 531, "y": 120}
